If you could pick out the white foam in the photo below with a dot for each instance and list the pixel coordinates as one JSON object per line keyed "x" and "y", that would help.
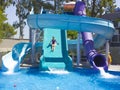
{"x": 57, "y": 88}
{"x": 105, "y": 74}
{"x": 8, "y": 73}
{"x": 9, "y": 63}
{"x": 57, "y": 71}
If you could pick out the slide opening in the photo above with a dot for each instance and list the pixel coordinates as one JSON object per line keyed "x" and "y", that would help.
{"x": 100, "y": 60}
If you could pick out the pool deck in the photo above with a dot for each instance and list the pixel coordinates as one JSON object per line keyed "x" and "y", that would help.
{"x": 110, "y": 68}
{"x": 114, "y": 68}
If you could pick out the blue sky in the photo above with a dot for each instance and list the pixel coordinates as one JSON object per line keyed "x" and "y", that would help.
{"x": 118, "y": 3}
{"x": 10, "y": 11}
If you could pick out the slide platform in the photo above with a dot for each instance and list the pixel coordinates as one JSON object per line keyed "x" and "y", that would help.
{"x": 60, "y": 54}
{"x": 102, "y": 28}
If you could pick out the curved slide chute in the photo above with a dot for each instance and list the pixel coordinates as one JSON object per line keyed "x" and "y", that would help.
{"x": 11, "y": 61}
{"x": 103, "y": 29}
{"x": 96, "y": 60}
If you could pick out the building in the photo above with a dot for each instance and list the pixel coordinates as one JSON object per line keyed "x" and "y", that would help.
{"x": 115, "y": 41}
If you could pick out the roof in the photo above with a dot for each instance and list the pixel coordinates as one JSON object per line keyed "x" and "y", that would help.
{"x": 112, "y": 16}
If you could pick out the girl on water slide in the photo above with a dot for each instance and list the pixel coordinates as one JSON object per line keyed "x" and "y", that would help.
{"x": 53, "y": 43}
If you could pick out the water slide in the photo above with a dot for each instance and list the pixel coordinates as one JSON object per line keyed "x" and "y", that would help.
{"x": 59, "y": 56}
{"x": 103, "y": 29}
{"x": 11, "y": 61}
{"x": 96, "y": 59}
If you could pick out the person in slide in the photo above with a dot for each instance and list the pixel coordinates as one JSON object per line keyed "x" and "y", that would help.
{"x": 53, "y": 43}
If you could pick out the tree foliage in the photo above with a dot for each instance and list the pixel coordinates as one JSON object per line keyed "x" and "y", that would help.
{"x": 4, "y": 4}
{"x": 94, "y": 8}
{"x": 23, "y": 9}
{"x": 6, "y": 30}
{"x": 72, "y": 34}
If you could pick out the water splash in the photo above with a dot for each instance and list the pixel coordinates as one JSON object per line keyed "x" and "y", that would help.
{"x": 105, "y": 74}
{"x": 57, "y": 71}
{"x": 10, "y": 72}
{"x": 57, "y": 88}
{"x": 9, "y": 62}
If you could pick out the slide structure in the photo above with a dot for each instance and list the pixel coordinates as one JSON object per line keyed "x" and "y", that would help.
{"x": 102, "y": 28}
{"x": 96, "y": 60}
{"x": 11, "y": 61}
{"x": 59, "y": 57}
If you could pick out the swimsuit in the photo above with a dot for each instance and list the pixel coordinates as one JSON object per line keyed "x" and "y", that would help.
{"x": 53, "y": 41}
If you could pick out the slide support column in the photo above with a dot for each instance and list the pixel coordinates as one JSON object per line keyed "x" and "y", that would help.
{"x": 33, "y": 34}
{"x": 78, "y": 50}
{"x": 107, "y": 50}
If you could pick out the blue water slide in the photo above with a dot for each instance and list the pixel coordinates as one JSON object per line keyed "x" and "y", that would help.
{"x": 11, "y": 61}
{"x": 60, "y": 54}
{"x": 48, "y": 34}
{"x": 103, "y": 29}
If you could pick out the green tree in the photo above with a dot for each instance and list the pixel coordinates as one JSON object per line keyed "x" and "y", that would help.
{"x": 96, "y": 8}
{"x": 4, "y": 4}
{"x": 6, "y": 30}
{"x": 72, "y": 34}
{"x": 23, "y": 9}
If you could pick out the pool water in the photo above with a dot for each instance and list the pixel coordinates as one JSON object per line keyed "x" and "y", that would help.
{"x": 78, "y": 79}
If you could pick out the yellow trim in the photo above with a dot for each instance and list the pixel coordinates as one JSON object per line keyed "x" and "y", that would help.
{"x": 109, "y": 59}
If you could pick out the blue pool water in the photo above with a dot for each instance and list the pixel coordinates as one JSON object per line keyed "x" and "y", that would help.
{"x": 79, "y": 79}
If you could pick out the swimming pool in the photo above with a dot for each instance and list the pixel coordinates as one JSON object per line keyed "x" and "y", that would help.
{"x": 79, "y": 79}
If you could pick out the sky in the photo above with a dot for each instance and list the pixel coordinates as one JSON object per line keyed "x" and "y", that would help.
{"x": 118, "y": 3}
{"x": 10, "y": 11}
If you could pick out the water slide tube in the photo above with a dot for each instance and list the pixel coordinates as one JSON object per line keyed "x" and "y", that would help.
{"x": 11, "y": 61}
{"x": 97, "y": 60}
{"x": 103, "y": 29}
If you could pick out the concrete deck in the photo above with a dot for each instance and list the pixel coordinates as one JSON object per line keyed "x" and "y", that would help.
{"x": 7, "y": 44}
